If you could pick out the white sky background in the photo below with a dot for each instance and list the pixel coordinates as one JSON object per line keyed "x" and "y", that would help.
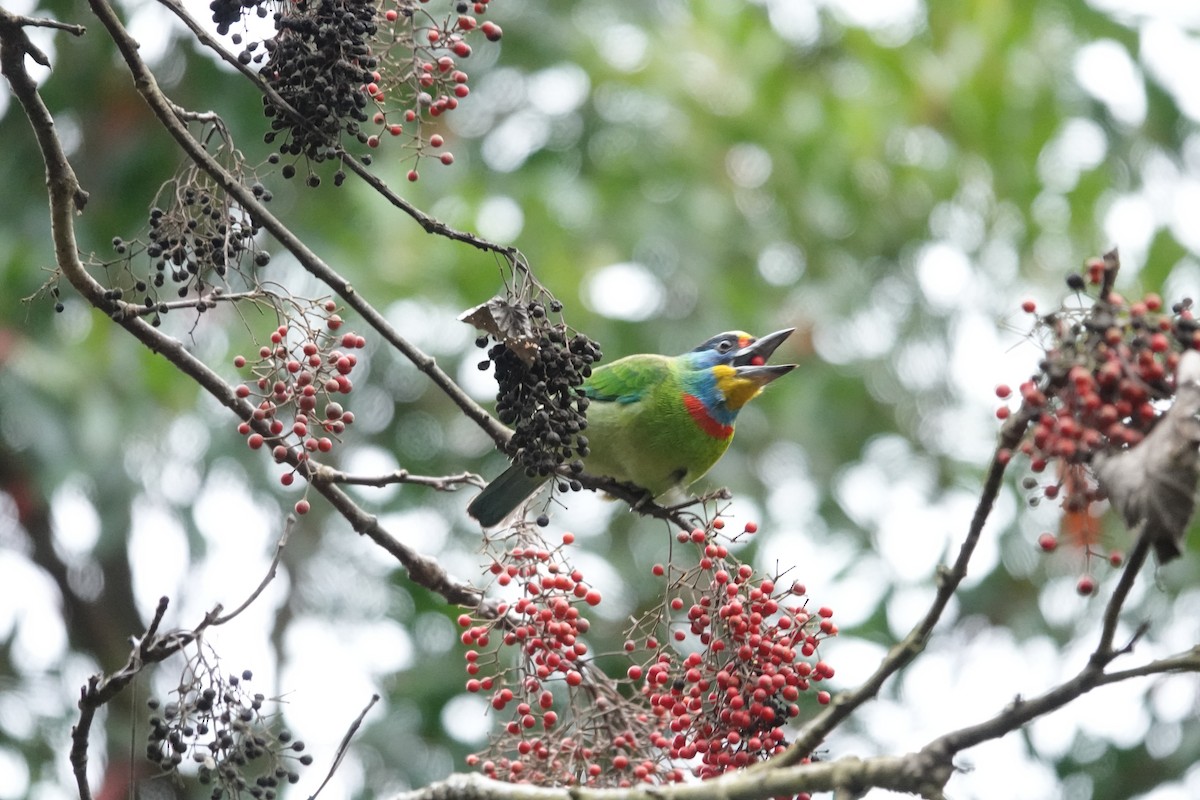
{"x": 960, "y": 679}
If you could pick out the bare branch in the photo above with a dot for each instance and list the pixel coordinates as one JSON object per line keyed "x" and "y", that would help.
{"x": 344, "y": 745}
{"x": 1104, "y": 652}
{"x": 288, "y": 524}
{"x": 442, "y": 483}
{"x": 41, "y": 22}
{"x": 206, "y": 301}
{"x": 1187, "y": 661}
{"x": 948, "y": 580}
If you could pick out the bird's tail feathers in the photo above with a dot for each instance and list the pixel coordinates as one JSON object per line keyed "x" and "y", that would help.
{"x": 503, "y": 495}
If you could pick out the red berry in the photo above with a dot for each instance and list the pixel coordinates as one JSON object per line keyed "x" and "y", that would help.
{"x": 302, "y": 506}
{"x": 1048, "y": 542}
{"x": 1086, "y": 585}
{"x": 491, "y": 30}
{"x": 1029, "y": 306}
{"x": 413, "y": 175}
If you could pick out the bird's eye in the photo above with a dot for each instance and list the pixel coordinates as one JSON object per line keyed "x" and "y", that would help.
{"x": 725, "y": 346}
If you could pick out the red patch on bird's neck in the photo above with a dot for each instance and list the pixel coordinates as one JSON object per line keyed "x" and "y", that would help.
{"x": 695, "y": 407}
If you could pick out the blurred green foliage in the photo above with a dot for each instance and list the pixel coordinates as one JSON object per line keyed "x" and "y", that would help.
{"x": 761, "y": 165}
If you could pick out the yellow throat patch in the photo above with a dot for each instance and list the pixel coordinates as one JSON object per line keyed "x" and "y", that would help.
{"x": 736, "y": 391}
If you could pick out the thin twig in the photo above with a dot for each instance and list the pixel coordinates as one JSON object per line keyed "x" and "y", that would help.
{"x": 344, "y": 746}
{"x": 948, "y": 580}
{"x": 42, "y": 22}
{"x": 442, "y": 483}
{"x": 1133, "y": 564}
{"x": 202, "y": 303}
{"x": 288, "y": 524}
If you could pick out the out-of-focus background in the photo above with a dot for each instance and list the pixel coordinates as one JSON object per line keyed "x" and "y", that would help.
{"x": 891, "y": 178}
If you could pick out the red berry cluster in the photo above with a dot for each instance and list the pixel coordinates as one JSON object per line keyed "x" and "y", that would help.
{"x": 1109, "y": 365}
{"x": 420, "y": 62}
{"x": 751, "y": 649}
{"x": 544, "y": 626}
{"x": 297, "y": 378}
{"x": 1104, "y": 369}
{"x": 727, "y": 701}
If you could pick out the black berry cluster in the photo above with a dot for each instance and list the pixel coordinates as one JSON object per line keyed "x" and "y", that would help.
{"x": 540, "y": 395}
{"x": 320, "y": 62}
{"x": 225, "y": 13}
{"x": 221, "y": 726}
{"x": 194, "y": 240}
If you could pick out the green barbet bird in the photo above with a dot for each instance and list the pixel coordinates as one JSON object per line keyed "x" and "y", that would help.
{"x": 656, "y": 421}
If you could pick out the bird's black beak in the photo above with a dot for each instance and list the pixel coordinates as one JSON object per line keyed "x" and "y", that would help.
{"x": 757, "y": 352}
{"x": 763, "y": 374}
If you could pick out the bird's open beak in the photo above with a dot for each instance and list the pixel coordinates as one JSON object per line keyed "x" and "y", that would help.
{"x": 763, "y": 374}
{"x": 757, "y": 352}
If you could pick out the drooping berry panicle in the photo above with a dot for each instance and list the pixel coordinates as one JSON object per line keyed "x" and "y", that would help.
{"x": 746, "y": 646}
{"x": 197, "y": 240}
{"x": 529, "y": 658}
{"x": 1107, "y": 376}
{"x": 358, "y": 70}
{"x": 420, "y": 74}
{"x": 715, "y": 674}
{"x": 229, "y": 732}
{"x": 298, "y": 379}
{"x": 318, "y": 62}
{"x": 540, "y": 366}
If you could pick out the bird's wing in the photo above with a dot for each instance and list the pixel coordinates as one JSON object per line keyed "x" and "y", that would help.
{"x": 627, "y": 380}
